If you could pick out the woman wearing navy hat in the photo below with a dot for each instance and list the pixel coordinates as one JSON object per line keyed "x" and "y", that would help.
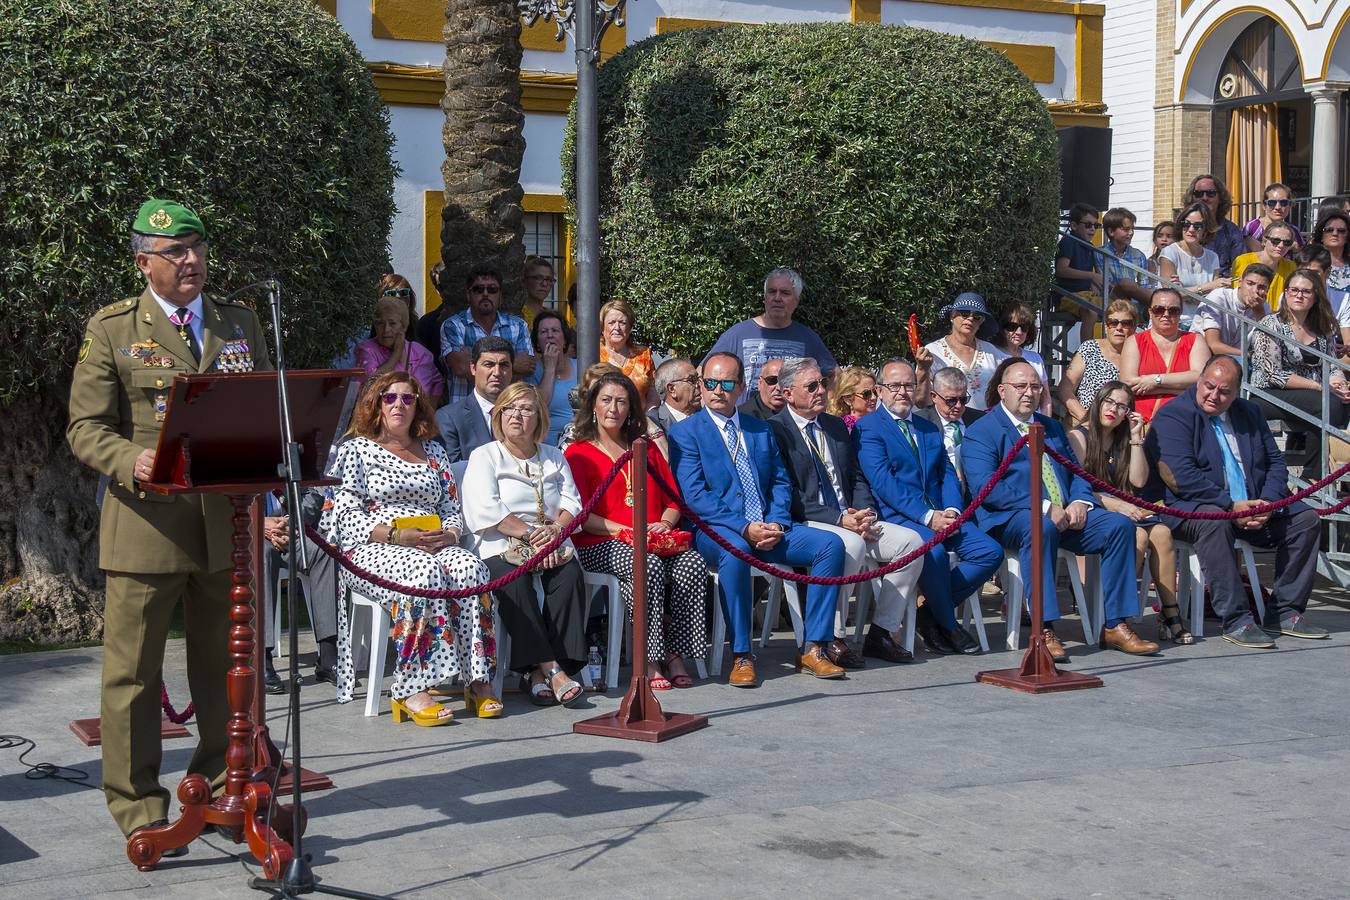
{"x": 962, "y": 349}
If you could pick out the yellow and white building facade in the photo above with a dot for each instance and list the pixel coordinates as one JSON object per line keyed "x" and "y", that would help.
{"x": 1057, "y": 44}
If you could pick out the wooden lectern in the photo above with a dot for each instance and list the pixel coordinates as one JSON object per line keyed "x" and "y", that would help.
{"x": 222, "y": 435}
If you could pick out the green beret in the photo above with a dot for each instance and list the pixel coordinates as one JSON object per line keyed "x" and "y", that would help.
{"x": 165, "y": 218}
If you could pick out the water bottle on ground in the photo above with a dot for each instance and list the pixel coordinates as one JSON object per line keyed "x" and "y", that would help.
{"x": 595, "y": 665}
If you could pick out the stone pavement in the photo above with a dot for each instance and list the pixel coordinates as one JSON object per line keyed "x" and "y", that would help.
{"x": 1210, "y": 771}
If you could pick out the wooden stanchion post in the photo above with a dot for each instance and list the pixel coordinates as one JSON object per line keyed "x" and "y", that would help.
{"x": 639, "y": 717}
{"x": 1038, "y": 673}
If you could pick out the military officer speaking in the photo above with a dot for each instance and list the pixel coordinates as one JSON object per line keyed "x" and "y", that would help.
{"x": 157, "y": 550}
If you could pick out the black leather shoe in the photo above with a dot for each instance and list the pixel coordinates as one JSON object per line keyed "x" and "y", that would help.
{"x": 880, "y": 645}
{"x": 271, "y": 680}
{"x": 841, "y": 654}
{"x": 325, "y": 673}
{"x": 960, "y": 640}
{"x": 171, "y": 853}
{"x": 934, "y": 641}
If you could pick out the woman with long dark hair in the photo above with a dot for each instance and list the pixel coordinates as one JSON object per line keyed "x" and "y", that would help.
{"x": 1110, "y": 445}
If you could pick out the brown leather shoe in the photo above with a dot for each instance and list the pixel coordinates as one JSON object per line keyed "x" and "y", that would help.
{"x": 743, "y": 673}
{"x": 814, "y": 662}
{"x": 1057, "y": 651}
{"x": 841, "y": 654}
{"x": 1123, "y": 638}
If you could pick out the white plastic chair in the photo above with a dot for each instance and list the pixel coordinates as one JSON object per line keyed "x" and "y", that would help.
{"x": 1090, "y": 601}
{"x": 274, "y": 626}
{"x": 375, "y": 641}
{"x": 619, "y": 624}
{"x": 717, "y": 649}
{"x": 1191, "y": 584}
{"x": 504, "y": 642}
{"x": 866, "y": 595}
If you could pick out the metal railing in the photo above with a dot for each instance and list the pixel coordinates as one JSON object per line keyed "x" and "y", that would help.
{"x": 1247, "y": 328}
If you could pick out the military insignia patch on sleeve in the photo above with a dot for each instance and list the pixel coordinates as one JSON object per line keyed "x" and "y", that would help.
{"x": 84, "y": 348}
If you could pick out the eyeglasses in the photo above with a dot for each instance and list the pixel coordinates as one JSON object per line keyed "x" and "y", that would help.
{"x": 1191, "y": 224}
{"x": 691, "y": 378}
{"x": 1281, "y": 242}
{"x": 896, "y": 387}
{"x": 519, "y": 412}
{"x": 967, "y": 314}
{"x": 1016, "y": 326}
{"x": 404, "y": 293}
{"x": 1330, "y": 230}
{"x": 1299, "y": 292}
{"x": 180, "y": 252}
{"x": 1116, "y": 405}
{"x": 812, "y": 386}
{"x": 1090, "y": 226}
{"x": 486, "y": 289}
{"x": 1165, "y": 310}
{"x": 391, "y": 397}
{"x": 1207, "y": 194}
{"x": 954, "y": 401}
{"x": 867, "y": 395}
{"x": 1030, "y": 387}
{"x": 770, "y": 380}
{"x": 726, "y": 384}
{"x": 1277, "y": 203}
{"x": 1120, "y": 323}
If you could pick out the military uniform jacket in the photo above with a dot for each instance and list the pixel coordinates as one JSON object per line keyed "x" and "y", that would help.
{"x": 127, "y": 362}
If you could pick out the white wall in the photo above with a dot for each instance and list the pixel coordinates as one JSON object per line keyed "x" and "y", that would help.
{"x": 418, "y": 151}
{"x": 1128, "y": 78}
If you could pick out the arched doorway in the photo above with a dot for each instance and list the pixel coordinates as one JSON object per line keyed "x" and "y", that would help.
{"x": 1262, "y": 128}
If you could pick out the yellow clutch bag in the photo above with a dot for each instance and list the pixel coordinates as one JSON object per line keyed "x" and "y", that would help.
{"x": 426, "y": 523}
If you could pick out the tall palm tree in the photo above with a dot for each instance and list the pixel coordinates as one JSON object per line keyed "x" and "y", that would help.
{"x": 484, "y": 146}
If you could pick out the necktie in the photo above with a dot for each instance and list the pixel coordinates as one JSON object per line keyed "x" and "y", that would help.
{"x": 955, "y": 429}
{"x": 909, "y": 435}
{"x": 1237, "y": 482}
{"x": 1048, "y": 475}
{"x": 753, "y": 505}
{"x": 827, "y": 492}
{"x": 183, "y": 319}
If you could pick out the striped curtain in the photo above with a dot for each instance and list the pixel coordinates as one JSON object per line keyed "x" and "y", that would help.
{"x": 1253, "y": 152}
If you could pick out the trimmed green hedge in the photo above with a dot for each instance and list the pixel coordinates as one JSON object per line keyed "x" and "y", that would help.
{"x": 261, "y": 115}
{"x": 895, "y": 167}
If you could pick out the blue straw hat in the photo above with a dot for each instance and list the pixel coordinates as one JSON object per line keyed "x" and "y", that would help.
{"x": 967, "y": 300}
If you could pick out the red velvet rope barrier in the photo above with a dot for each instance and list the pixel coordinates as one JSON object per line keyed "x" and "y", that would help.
{"x": 1108, "y": 488}
{"x": 170, "y": 713}
{"x": 460, "y": 593}
{"x": 789, "y": 575}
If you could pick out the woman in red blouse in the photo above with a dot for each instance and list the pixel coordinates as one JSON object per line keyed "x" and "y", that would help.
{"x": 609, "y": 420}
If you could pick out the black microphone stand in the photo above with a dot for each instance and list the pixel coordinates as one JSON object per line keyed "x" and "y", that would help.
{"x": 298, "y": 877}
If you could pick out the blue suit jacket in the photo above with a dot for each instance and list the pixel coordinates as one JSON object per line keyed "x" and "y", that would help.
{"x": 987, "y": 442}
{"x": 707, "y": 477}
{"x": 906, "y": 486}
{"x": 1182, "y": 440}
{"x": 462, "y": 428}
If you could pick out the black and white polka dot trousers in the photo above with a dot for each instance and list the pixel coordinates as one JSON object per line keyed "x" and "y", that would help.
{"x": 677, "y": 596}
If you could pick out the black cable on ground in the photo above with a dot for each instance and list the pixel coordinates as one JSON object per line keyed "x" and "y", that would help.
{"x": 43, "y": 769}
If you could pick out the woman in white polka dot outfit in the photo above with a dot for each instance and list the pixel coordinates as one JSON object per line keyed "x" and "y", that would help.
{"x": 391, "y": 469}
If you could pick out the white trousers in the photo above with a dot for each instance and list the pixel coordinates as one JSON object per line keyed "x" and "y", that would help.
{"x": 892, "y": 591}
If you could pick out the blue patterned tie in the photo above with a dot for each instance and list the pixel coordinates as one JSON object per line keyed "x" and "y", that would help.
{"x": 1237, "y": 482}
{"x": 754, "y": 506}
{"x": 828, "y": 495}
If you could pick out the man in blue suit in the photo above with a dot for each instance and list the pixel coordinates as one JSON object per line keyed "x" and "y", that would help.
{"x": 915, "y": 485}
{"x": 1246, "y": 470}
{"x": 1071, "y": 517}
{"x": 464, "y": 424}
{"x": 733, "y": 477}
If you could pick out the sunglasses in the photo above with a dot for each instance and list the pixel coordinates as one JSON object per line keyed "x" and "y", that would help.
{"x": 812, "y": 386}
{"x": 1165, "y": 310}
{"x": 1200, "y": 193}
{"x": 967, "y": 314}
{"x": 770, "y": 380}
{"x": 866, "y": 395}
{"x": 1188, "y": 225}
{"x": 403, "y": 293}
{"x": 726, "y": 384}
{"x": 1281, "y": 242}
{"x": 954, "y": 401}
{"x": 485, "y": 289}
{"x": 391, "y": 397}
{"x": 1120, "y": 323}
{"x": 1277, "y": 203}
{"x": 1016, "y": 326}
{"x": 1090, "y": 226}
{"x": 1330, "y": 230}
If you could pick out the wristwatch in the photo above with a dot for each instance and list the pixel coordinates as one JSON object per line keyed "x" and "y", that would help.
{"x": 1157, "y": 379}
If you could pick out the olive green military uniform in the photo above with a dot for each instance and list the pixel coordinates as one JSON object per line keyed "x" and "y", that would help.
{"x": 156, "y": 550}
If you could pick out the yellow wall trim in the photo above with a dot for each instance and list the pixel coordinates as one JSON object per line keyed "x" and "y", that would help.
{"x": 668, "y": 24}
{"x": 547, "y": 93}
{"x": 1088, "y": 59}
{"x": 328, "y": 6}
{"x": 433, "y": 204}
{"x": 1058, "y": 7}
{"x": 542, "y": 203}
{"x": 424, "y": 86}
{"x": 424, "y": 20}
{"x": 542, "y": 36}
{"x": 1037, "y": 61}
{"x": 865, "y": 11}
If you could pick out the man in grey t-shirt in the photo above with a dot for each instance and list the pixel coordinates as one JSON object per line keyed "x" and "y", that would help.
{"x": 1219, "y": 318}
{"x": 773, "y": 335}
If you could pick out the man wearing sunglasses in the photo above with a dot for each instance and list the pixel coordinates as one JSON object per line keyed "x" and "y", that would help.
{"x": 951, "y": 413}
{"x": 829, "y": 493}
{"x": 733, "y": 477}
{"x": 483, "y": 293}
{"x": 1228, "y": 242}
{"x": 768, "y": 400}
{"x": 676, "y": 386}
{"x": 157, "y": 551}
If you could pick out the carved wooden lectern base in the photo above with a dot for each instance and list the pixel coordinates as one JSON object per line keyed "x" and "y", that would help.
{"x": 246, "y": 809}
